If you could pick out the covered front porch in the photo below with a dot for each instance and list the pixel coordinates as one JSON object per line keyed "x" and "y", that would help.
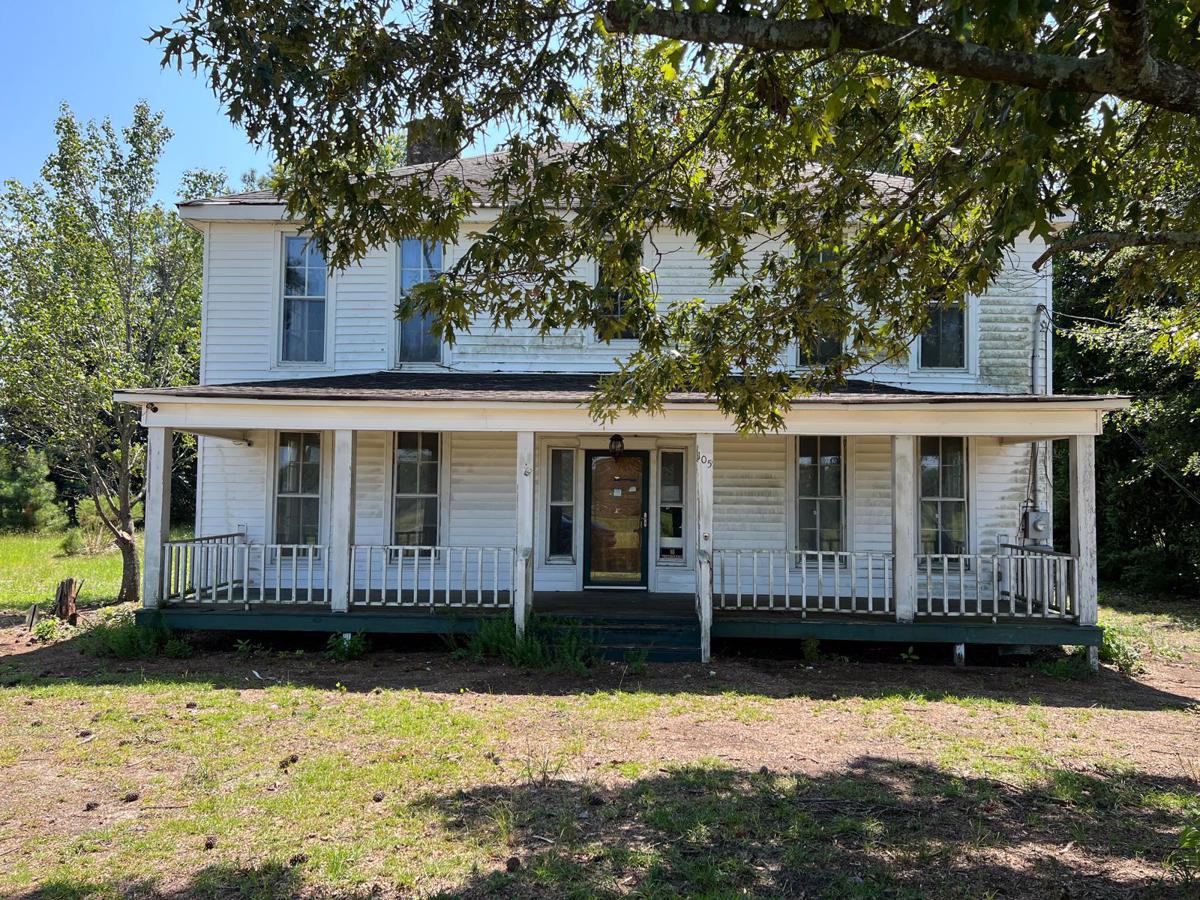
{"x": 686, "y": 522}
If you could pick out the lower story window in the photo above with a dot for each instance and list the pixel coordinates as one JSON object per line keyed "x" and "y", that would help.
{"x": 943, "y": 495}
{"x": 820, "y": 493}
{"x": 670, "y": 505}
{"x": 561, "y": 529}
{"x": 416, "y": 476}
{"x": 298, "y": 488}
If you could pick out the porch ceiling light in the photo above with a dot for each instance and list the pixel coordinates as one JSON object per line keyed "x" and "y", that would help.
{"x": 616, "y": 446}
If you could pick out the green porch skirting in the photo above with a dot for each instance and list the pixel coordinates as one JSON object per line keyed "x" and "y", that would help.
{"x": 741, "y": 625}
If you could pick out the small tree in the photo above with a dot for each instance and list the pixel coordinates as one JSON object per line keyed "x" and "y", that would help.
{"x": 99, "y": 291}
{"x": 28, "y": 498}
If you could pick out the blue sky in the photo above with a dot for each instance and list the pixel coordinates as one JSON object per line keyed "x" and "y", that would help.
{"x": 91, "y": 54}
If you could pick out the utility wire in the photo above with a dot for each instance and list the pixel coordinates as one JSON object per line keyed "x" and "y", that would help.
{"x": 1186, "y": 491}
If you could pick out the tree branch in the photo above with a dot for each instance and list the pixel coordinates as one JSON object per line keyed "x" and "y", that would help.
{"x": 1119, "y": 240}
{"x": 1156, "y": 82}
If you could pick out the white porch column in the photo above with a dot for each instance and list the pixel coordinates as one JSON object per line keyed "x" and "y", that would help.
{"x": 341, "y": 520}
{"x": 904, "y": 525}
{"x": 704, "y": 540}
{"x": 1083, "y": 523}
{"x": 522, "y": 593}
{"x": 157, "y": 526}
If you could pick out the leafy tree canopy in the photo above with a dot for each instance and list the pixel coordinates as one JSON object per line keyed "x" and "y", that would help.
{"x": 841, "y": 163}
{"x": 99, "y": 292}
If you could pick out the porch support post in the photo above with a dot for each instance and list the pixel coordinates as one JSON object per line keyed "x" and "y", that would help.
{"x": 522, "y": 593}
{"x": 904, "y": 517}
{"x": 341, "y": 520}
{"x": 158, "y": 512}
{"x": 704, "y": 540}
{"x": 1083, "y": 524}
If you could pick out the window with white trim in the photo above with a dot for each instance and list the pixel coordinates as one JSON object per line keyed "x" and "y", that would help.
{"x": 944, "y": 340}
{"x": 415, "y": 483}
{"x": 616, "y": 307}
{"x": 420, "y": 261}
{"x": 304, "y": 283}
{"x": 827, "y": 348}
{"x": 820, "y": 493}
{"x": 943, "y": 495}
{"x": 298, "y": 488}
{"x": 560, "y": 531}
{"x": 670, "y": 505}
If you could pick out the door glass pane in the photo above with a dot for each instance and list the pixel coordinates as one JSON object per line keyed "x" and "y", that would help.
{"x": 616, "y": 509}
{"x": 672, "y": 478}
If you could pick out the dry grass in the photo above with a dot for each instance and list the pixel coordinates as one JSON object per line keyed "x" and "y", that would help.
{"x": 276, "y": 774}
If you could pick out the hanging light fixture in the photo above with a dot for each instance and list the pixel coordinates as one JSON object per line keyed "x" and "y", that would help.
{"x": 616, "y": 446}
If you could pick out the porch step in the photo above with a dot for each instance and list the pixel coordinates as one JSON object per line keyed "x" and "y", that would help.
{"x": 661, "y": 640}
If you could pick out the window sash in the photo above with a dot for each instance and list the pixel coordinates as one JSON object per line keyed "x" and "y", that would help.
{"x": 298, "y": 487}
{"x": 943, "y": 513}
{"x": 615, "y": 302}
{"x": 416, "y": 488}
{"x": 560, "y": 493}
{"x": 820, "y": 494}
{"x": 305, "y": 285}
{"x": 944, "y": 340}
{"x": 671, "y": 508}
{"x": 827, "y": 348}
{"x": 420, "y": 261}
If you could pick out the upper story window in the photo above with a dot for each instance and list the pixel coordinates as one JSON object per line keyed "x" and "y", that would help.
{"x": 420, "y": 261}
{"x": 943, "y": 495}
{"x": 820, "y": 493}
{"x": 304, "y": 281}
{"x": 616, "y": 305}
{"x": 944, "y": 340}
{"x": 298, "y": 488}
{"x": 827, "y": 348}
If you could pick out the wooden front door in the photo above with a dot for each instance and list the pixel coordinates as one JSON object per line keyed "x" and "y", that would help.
{"x": 616, "y": 510}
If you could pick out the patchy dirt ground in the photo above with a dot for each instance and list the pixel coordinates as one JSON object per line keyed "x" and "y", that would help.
{"x": 268, "y": 773}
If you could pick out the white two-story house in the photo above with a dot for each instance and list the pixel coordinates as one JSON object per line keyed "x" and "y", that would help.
{"x": 356, "y": 474}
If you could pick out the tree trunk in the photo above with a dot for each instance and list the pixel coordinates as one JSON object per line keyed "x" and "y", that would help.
{"x": 131, "y": 567}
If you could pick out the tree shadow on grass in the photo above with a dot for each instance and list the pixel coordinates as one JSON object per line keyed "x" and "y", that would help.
{"x": 884, "y": 828}
{"x": 434, "y": 669}
{"x": 879, "y": 828}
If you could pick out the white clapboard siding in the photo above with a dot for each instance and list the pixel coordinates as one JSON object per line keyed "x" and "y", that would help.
{"x": 870, "y": 492}
{"x": 749, "y": 492}
{"x": 483, "y": 490}
{"x": 233, "y": 481}
{"x": 372, "y": 503}
{"x": 1001, "y": 474}
{"x": 241, "y": 332}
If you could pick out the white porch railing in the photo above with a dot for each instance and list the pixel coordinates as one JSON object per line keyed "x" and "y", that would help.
{"x": 412, "y": 576}
{"x": 1023, "y": 582}
{"x": 803, "y": 581}
{"x": 226, "y": 569}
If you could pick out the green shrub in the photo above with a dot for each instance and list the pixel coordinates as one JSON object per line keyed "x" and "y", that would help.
{"x": 119, "y": 635}
{"x": 1185, "y": 860}
{"x": 1069, "y": 667}
{"x": 1117, "y": 650}
{"x": 177, "y": 648}
{"x": 48, "y": 629}
{"x": 549, "y": 644}
{"x": 345, "y": 647}
{"x": 28, "y": 499}
{"x": 73, "y": 543}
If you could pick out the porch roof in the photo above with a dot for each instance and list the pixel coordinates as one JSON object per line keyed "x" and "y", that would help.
{"x": 512, "y": 387}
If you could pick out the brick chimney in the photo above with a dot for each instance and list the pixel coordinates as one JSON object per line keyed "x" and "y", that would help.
{"x": 428, "y": 141}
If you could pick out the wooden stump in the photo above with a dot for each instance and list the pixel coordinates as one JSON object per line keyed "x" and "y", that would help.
{"x": 64, "y": 600}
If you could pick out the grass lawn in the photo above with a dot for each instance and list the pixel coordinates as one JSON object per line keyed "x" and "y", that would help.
{"x": 256, "y": 772}
{"x": 31, "y": 566}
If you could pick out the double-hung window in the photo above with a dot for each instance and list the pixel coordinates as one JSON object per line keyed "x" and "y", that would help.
{"x": 827, "y": 348}
{"x": 944, "y": 340}
{"x": 670, "y": 505}
{"x": 943, "y": 495}
{"x": 304, "y": 283}
{"x": 420, "y": 261}
{"x": 298, "y": 488}
{"x": 616, "y": 307}
{"x": 417, "y": 464}
{"x": 820, "y": 493}
{"x": 561, "y": 530}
